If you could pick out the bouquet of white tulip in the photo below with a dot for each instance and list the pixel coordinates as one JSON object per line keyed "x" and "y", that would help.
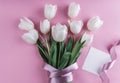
{"x": 59, "y": 52}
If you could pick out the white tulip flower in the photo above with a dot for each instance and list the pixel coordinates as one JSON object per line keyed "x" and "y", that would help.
{"x": 88, "y": 38}
{"x": 50, "y": 11}
{"x": 73, "y": 10}
{"x": 75, "y": 26}
{"x": 59, "y": 32}
{"x": 31, "y": 37}
{"x": 45, "y": 26}
{"x": 94, "y": 23}
{"x": 26, "y": 24}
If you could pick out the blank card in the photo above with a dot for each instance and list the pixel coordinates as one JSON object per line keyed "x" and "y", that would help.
{"x": 94, "y": 60}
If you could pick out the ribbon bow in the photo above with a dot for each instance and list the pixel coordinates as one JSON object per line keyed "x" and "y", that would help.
{"x": 61, "y": 76}
{"x": 107, "y": 66}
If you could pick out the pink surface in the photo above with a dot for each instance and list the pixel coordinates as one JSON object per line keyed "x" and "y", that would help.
{"x": 20, "y": 62}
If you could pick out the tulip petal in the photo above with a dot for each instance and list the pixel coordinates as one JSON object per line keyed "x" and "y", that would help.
{"x": 45, "y": 26}
{"x": 59, "y": 32}
{"x": 88, "y": 38}
{"x": 30, "y": 37}
{"x": 73, "y": 10}
{"x": 76, "y": 26}
{"x": 94, "y": 23}
{"x": 26, "y": 24}
{"x": 50, "y": 11}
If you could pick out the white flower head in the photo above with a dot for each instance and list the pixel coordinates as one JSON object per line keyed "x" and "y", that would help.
{"x": 75, "y": 26}
{"x": 94, "y": 23}
{"x": 45, "y": 26}
{"x": 50, "y": 11}
{"x": 59, "y": 32}
{"x": 73, "y": 10}
{"x": 31, "y": 37}
{"x": 26, "y": 24}
{"x": 88, "y": 38}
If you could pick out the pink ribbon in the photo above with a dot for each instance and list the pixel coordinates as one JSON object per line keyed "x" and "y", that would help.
{"x": 107, "y": 66}
{"x": 61, "y": 76}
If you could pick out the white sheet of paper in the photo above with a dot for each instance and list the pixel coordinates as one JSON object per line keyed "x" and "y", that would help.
{"x": 94, "y": 60}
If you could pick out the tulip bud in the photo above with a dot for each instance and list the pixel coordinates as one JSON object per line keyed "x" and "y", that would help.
{"x": 26, "y": 24}
{"x": 73, "y": 10}
{"x": 87, "y": 38}
{"x": 30, "y": 37}
{"x": 50, "y": 11}
{"x": 75, "y": 26}
{"x": 59, "y": 32}
{"x": 45, "y": 26}
{"x": 94, "y": 23}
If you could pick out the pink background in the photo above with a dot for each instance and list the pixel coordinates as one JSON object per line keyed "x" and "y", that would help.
{"x": 20, "y": 62}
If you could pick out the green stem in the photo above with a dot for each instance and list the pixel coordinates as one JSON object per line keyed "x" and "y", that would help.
{"x": 42, "y": 38}
{"x": 40, "y": 48}
{"x": 46, "y": 42}
{"x": 74, "y": 39}
{"x": 59, "y": 54}
{"x": 48, "y": 48}
{"x": 45, "y": 58}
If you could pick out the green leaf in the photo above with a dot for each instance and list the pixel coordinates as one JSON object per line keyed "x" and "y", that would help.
{"x": 64, "y": 60}
{"x": 76, "y": 50}
{"x": 42, "y": 51}
{"x": 53, "y": 53}
{"x": 44, "y": 48}
{"x": 69, "y": 45}
{"x": 60, "y": 47}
